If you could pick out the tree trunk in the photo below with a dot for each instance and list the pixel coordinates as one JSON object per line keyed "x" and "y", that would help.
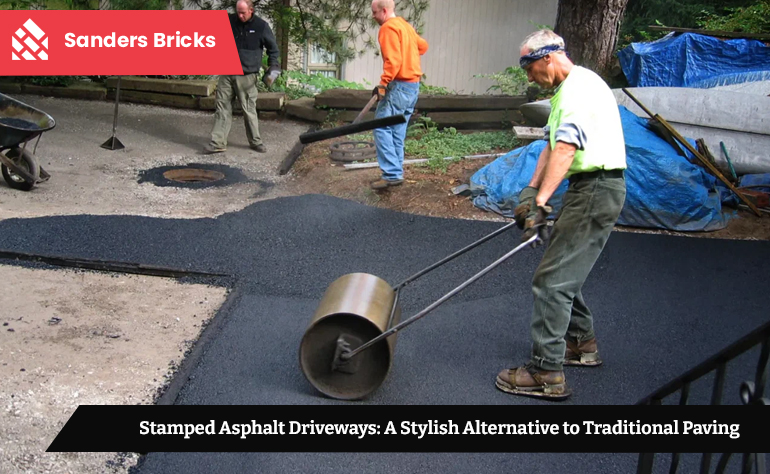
{"x": 282, "y": 37}
{"x": 590, "y": 30}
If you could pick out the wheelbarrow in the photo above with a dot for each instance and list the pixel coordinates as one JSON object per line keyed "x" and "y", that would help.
{"x": 20, "y": 123}
{"x": 347, "y": 350}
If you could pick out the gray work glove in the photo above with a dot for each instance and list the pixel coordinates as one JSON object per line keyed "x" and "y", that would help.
{"x": 526, "y": 205}
{"x": 536, "y": 223}
{"x": 271, "y": 75}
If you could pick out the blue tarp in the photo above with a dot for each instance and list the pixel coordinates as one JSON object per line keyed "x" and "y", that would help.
{"x": 664, "y": 189}
{"x": 692, "y": 60}
{"x": 759, "y": 181}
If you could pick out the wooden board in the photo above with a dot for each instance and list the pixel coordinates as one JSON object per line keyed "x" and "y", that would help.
{"x": 357, "y": 99}
{"x": 166, "y": 86}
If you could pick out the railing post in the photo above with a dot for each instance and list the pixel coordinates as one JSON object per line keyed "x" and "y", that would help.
{"x": 705, "y": 463}
{"x": 751, "y": 392}
{"x": 645, "y": 463}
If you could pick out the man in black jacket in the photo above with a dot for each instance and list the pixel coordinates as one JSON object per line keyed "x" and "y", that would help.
{"x": 252, "y": 35}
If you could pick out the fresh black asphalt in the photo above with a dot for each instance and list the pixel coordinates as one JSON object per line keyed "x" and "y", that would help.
{"x": 662, "y": 305}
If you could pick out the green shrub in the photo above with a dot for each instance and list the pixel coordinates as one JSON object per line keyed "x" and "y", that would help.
{"x": 679, "y": 13}
{"x": 427, "y": 141}
{"x": 511, "y": 81}
{"x": 751, "y": 19}
{"x": 296, "y": 84}
{"x": 61, "y": 81}
{"x": 434, "y": 90}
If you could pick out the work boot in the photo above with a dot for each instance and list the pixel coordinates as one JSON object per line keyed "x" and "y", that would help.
{"x": 261, "y": 148}
{"x": 210, "y": 149}
{"x": 584, "y": 353}
{"x": 532, "y": 381}
{"x": 385, "y": 183}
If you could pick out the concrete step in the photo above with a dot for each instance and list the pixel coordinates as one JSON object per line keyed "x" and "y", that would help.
{"x": 304, "y": 109}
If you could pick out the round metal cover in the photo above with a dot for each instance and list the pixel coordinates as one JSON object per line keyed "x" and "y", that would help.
{"x": 353, "y": 151}
{"x": 193, "y": 175}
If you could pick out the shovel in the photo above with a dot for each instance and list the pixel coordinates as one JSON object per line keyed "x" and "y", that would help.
{"x": 366, "y": 109}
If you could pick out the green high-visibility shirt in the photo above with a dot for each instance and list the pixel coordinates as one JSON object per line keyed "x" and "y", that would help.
{"x": 584, "y": 113}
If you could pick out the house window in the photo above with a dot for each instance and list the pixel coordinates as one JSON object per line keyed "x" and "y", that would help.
{"x": 321, "y": 62}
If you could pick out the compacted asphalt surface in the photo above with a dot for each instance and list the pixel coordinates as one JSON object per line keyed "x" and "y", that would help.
{"x": 662, "y": 305}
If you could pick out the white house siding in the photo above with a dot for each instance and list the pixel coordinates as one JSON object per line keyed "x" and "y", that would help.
{"x": 466, "y": 37}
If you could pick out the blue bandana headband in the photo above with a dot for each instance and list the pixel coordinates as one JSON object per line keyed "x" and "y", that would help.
{"x": 530, "y": 58}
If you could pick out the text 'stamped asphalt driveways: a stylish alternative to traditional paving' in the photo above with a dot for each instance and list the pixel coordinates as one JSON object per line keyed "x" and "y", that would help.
{"x": 662, "y": 304}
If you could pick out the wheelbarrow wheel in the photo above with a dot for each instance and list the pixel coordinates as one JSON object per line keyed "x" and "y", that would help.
{"x": 27, "y": 162}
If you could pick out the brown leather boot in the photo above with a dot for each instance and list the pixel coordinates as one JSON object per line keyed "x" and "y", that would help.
{"x": 531, "y": 381}
{"x": 584, "y": 353}
{"x": 385, "y": 183}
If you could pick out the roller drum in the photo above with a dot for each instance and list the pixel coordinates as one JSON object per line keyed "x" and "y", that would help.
{"x": 356, "y": 306}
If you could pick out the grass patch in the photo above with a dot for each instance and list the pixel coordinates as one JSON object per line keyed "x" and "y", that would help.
{"x": 427, "y": 141}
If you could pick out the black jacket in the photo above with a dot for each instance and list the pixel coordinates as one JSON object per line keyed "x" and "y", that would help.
{"x": 250, "y": 39}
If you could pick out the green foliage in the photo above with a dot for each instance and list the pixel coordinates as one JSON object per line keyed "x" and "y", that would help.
{"x": 361, "y": 137}
{"x": 677, "y": 13}
{"x": 139, "y": 4}
{"x": 81, "y": 4}
{"x": 183, "y": 77}
{"x": 425, "y": 140}
{"x": 22, "y": 5}
{"x": 62, "y": 81}
{"x": 754, "y": 18}
{"x": 538, "y": 26}
{"x": 434, "y": 90}
{"x": 296, "y": 84}
{"x": 344, "y": 28}
{"x": 511, "y": 81}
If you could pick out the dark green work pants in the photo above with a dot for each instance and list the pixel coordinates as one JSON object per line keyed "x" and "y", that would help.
{"x": 591, "y": 207}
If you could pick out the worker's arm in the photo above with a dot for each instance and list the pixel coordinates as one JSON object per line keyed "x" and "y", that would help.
{"x": 542, "y": 161}
{"x": 271, "y": 45}
{"x": 422, "y": 45}
{"x": 553, "y": 172}
{"x": 390, "y": 46}
{"x": 550, "y": 172}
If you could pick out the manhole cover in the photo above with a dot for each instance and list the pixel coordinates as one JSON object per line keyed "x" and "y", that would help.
{"x": 198, "y": 176}
{"x": 353, "y": 151}
{"x": 193, "y": 175}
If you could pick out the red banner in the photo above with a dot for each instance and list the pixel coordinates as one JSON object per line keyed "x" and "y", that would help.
{"x": 112, "y": 42}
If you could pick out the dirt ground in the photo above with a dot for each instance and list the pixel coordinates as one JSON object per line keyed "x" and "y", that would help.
{"x": 72, "y": 337}
{"x": 429, "y": 193}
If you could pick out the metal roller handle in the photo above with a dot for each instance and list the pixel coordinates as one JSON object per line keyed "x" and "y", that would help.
{"x": 436, "y": 304}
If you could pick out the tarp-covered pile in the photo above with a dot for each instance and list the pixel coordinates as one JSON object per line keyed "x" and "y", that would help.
{"x": 664, "y": 189}
{"x": 692, "y": 60}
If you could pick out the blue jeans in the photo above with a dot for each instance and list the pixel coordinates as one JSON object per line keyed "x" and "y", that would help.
{"x": 400, "y": 98}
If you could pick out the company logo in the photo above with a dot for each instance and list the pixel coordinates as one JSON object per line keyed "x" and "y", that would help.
{"x": 27, "y": 43}
{"x": 117, "y": 43}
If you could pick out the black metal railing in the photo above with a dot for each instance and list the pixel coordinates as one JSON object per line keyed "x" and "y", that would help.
{"x": 751, "y": 393}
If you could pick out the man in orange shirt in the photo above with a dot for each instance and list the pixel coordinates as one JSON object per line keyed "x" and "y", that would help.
{"x": 399, "y": 86}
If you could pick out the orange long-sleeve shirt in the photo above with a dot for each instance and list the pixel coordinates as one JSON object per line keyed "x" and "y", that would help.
{"x": 401, "y": 49}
